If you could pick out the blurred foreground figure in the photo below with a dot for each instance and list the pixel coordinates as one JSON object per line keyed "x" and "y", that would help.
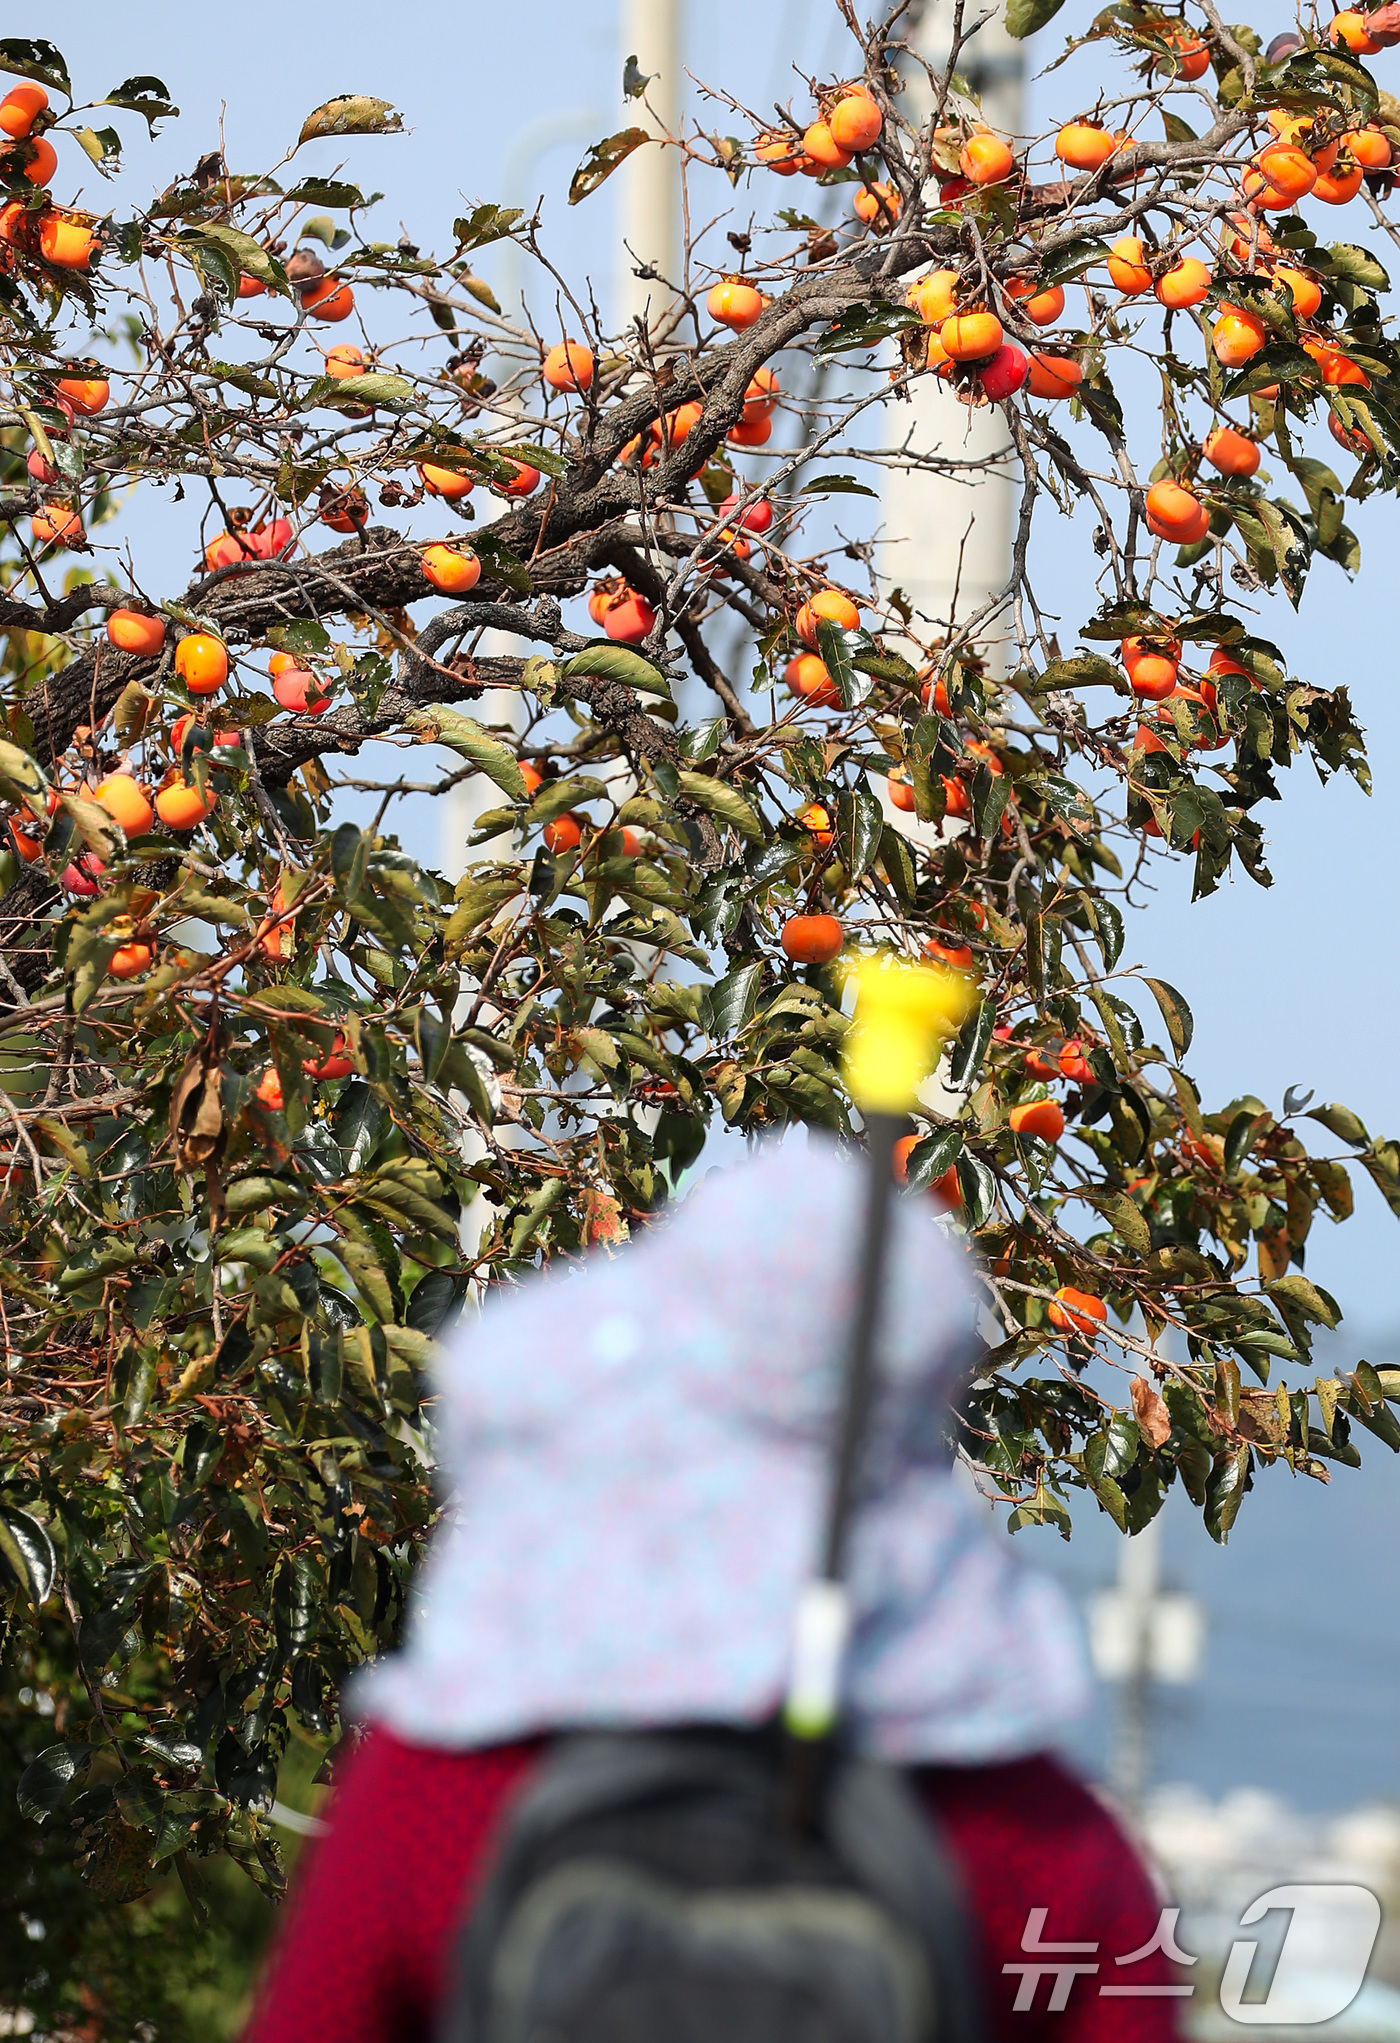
{"x": 640, "y": 1459}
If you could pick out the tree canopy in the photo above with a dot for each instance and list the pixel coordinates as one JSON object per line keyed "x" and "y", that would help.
{"x": 278, "y": 1099}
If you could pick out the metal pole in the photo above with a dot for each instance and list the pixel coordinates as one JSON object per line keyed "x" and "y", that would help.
{"x": 943, "y": 534}
{"x": 649, "y": 182}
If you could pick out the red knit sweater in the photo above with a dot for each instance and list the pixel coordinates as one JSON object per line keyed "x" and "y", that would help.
{"x": 362, "y": 1954}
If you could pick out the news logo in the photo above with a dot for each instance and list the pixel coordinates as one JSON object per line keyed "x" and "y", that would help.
{"x": 1319, "y": 1969}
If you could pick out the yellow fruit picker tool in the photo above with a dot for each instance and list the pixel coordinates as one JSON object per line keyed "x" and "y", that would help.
{"x": 904, "y": 1014}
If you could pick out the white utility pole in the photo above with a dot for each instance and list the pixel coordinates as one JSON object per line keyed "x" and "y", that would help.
{"x": 930, "y": 520}
{"x": 649, "y": 182}
{"x": 1140, "y": 1633}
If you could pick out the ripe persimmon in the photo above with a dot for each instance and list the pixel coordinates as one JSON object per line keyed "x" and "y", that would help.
{"x": 1083, "y": 145}
{"x": 178, "y": 802}
{"x": 28, "y": 847}
{"x": 934, "y": 297}
{"x": 35, "y": 160}
{"x": 956, "y": 800}
{"x": 1041, "y": 1118}
{"x": 755, "y": 517}
{"x": 523, "y": 483}
{"x": 57, "y": 525}
{"x": 750, "y": 433}
{"x": 448, "y": 483}
{"x": 1237, "y": 336}
{"x": 1350, "y": 437}
{"x": 815, "y": 819}
{"x": 20, "y": 108}
{"x": 1368, "y": 147}
{"x": 1349, "y": 27}
{"x": 65, "y": 243}
{"x": 298, "y": 690}
{"x": 1152, "y": 669}
{"x": 855, "y": 121}
{"x": 269, "y": 1092}
{"x": 629, "y": 618}
{"x": 1075, "y": 1312}
{"x": 734, "y": 303}
{"x": 250, "y": 287}
{"x": 1191, "y": 54}
{"x": 563, "y": 834}
{"x": 337, "y": 1062}
{"x": 761, "y": 395}
{"x": 1171, "y": 510}
{"x": 812, "y": 939}
{"x": 939, "y": 951}
{"x": 344, "y": 361}
{"x": 328, "y": 299}
{"x": 1185, "y": 284}
{"x": 986, "y": 159}
{"x": 1230, "y": 452}
{"x": 1002, "y": 376}
{"x": 86, "y": 394}
{"x": 1288, "y": 169}
{"x": 971, "y": 336}
{"x": 779, "y": 151}
{"x": 1304, "y": 290}
{"x": 1126, "y": 268}
{"x": 132, "y": 631}
{"x": 832, "y": 604}
{"x": 1336, "y": 368}
{"x": 806, "y": 675}
{"x": 1040, "y": 307}
{"x": 823, "y": 149}
{"x": 1054, "y": 376}
{"x": 201, "y": 661}
{"x": 344, "y": 510}
{"x": 123, "y": 799}
{"x": 1338, "y": 186}
{"x": 569, "y": 366}
{"x": 900, "y": 788}
{"x": 130, "y": 961}
{"x": 82, "y": 876}
{"x": 876, "y": 203}
{"x": 453, "y": 569}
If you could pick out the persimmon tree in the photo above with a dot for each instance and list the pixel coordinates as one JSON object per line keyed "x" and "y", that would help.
{"x": 264, "y": 1073}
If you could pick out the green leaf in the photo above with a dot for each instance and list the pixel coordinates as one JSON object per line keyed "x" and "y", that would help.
{"x": 602, "y": 160}
{"x": 150, "y": 97}
{"x": 1175, "y": 1013}
{"x": 464, "y": 735}
{"x": 835, "y": 650}
{"x": 1124, "y": 1218}
{"x": 1341, "y": 1122}
{"x": 1309, "y": 1299}
{"x": 1353, "y": 265}
{"x": 322, "y": 191}
{"x": 935, "y": 1154}
{"x": 26, "y": 1546}
{"x": 394, "y": 393}
{"x": 20, "y": 775}
{"x": 1024, "y": 17}
{"x": 865, "y": 326}
{"x": 486, "y": 223}
{"x": 723, "y": 802}
{"x": 835, "y": 486}
{"x": 35, "y": 59}
{"x": 99, "y": 832}
{"x": 1225, "y": 1493}
{"x": 45, "y": 1780}
{"x": 860, "y": 823}
{"x": 608, "y": 662}
{"x": 354, "y": 113}
{"x": 733, "y": 999}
